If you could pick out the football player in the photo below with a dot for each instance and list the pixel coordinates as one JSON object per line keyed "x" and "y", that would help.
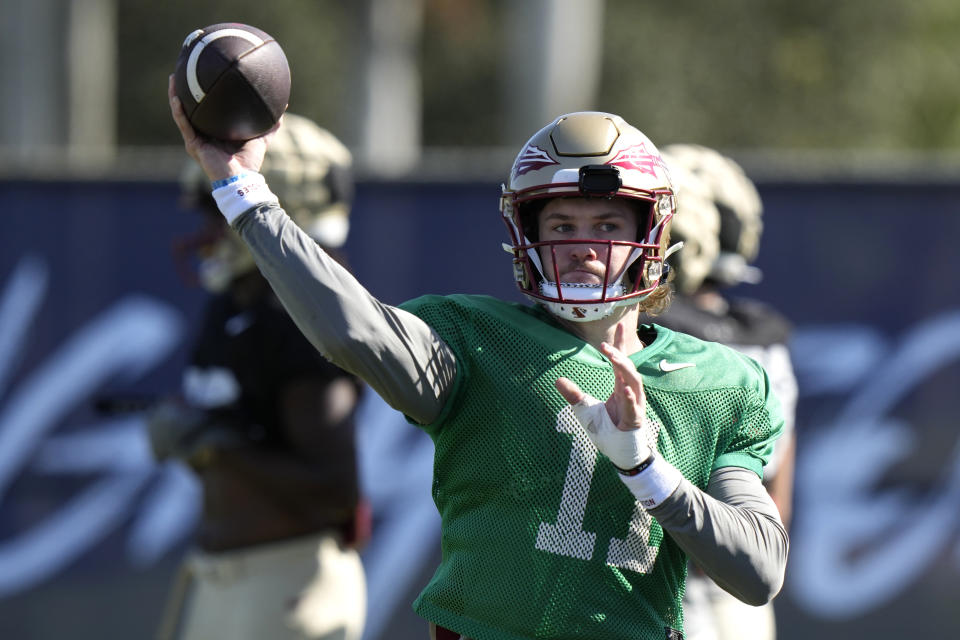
{"x": 267, "y": 425}
{"x": 581, "y": 455}
{"x": 719, "y": 221}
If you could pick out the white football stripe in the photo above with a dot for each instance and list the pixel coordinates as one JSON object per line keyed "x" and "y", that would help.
{"x": 192, "y": 82}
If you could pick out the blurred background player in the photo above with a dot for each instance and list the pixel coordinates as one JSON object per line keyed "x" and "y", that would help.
{"x": 267, "y": 425}
{"x": 719, "y": 220}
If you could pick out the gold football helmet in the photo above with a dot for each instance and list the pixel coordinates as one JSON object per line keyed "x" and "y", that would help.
{"x": 696, "y": 224}
{"x": 595, "y": 155}
{"x": 738, "y": 203}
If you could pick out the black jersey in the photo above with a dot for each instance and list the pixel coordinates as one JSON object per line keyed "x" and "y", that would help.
{"x": 746, "y": 322}
{"x": 243, "y": 359}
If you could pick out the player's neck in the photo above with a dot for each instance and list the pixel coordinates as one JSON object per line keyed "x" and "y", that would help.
{"x": 603, "y": 330}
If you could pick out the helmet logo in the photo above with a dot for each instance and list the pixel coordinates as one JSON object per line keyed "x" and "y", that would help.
{"x": 532, "y": 158}
{"x": 637, "y": 158}
{"x": 579, "y": 312}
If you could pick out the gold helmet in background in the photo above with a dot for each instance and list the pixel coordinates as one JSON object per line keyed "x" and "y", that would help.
{"x": 308, "y": 169}
{"x": 738, "y": 203}
{"x": 696, "y": 224}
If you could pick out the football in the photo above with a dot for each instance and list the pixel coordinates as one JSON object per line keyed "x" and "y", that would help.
{"x": 233, "y": 81}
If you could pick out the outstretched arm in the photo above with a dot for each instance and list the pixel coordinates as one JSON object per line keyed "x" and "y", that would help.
{"x": 400, "y": 356}
{"x": 396, "y": 353}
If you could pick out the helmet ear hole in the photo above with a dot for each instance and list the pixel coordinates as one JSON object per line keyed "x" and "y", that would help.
{"x": 530, "y": 218}
{"x": 644, "y": 212}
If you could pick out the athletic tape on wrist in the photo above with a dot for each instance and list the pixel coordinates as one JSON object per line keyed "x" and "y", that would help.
{"x": 248, "y": 191}
{"x": 654, "y": 484}
{"x": 626, "y": 449}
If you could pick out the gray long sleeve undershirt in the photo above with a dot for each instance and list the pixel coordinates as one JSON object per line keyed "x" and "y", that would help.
{"x": 396, "y": 353}
{"x": 733, "y": 531}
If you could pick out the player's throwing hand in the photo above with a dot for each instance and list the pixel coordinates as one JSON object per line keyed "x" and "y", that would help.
{"x": 220, "y": 160}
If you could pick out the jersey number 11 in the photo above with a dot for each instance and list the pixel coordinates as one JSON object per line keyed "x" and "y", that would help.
{"x": 567, "y": 537}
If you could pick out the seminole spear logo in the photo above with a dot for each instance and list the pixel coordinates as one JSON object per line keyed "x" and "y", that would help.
{"x": 638, "y": 158}
{"x": 532, "y": 158}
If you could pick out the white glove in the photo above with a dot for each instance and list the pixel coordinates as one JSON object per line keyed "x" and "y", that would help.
{"x": 654, "y": 479}
{"x": 626, "y": 449}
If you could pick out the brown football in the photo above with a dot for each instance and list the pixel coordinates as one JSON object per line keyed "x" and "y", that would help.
{"x": 233, "y": 81}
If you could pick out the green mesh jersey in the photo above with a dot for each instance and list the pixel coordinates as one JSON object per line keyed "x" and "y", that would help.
{"x": 540, "y": 537}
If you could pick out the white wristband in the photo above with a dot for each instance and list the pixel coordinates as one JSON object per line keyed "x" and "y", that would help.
{"x": 654, "y": 484}
{"x": 249, "y": 191}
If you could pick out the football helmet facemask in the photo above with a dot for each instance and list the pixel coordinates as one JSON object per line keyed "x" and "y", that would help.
{"x": 310, "y": 172}
{"x": 594, "y": 155}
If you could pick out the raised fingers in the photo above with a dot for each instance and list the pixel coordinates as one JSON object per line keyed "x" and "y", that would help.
{"x": 622, "y": 365}
{"x": 628, "y": 395}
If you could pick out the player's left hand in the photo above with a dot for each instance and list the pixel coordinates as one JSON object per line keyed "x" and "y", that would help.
{"x": 616, "y": 427}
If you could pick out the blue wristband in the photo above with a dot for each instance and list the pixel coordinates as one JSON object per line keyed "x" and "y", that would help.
{"x": 225, "y": 181}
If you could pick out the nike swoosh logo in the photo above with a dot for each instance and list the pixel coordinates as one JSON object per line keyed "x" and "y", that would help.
{"x": 667, "y": 367}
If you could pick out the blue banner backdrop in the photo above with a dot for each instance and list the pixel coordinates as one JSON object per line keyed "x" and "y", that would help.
{"x": 92, "y": 308}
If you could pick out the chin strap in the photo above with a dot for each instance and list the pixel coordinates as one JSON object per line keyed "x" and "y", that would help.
{"x": 587, "y": 292}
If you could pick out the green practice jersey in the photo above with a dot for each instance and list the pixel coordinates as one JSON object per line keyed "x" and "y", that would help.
{"x": 540, "y": 537}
